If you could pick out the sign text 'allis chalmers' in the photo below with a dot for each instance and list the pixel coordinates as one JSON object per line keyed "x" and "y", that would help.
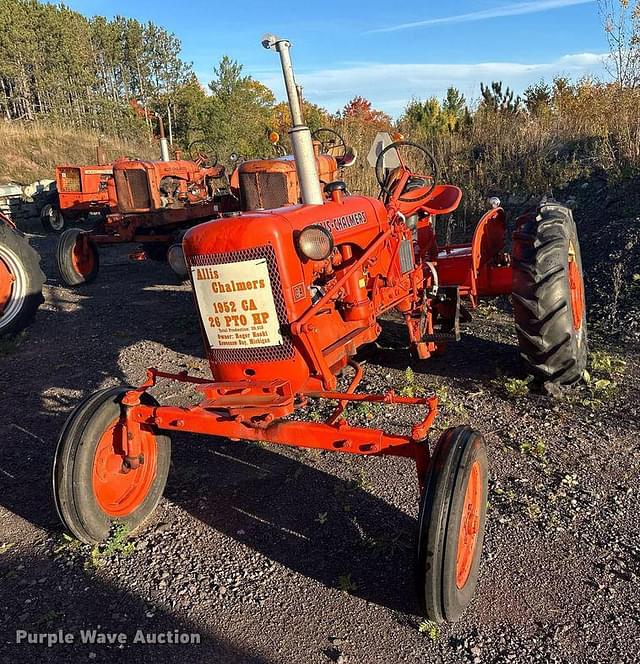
{"x": 236, "y": 304}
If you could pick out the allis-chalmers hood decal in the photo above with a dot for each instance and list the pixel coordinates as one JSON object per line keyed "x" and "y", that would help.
{"x": 344, "y": 223}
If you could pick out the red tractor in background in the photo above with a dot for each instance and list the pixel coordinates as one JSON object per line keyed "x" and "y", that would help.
{"x": 21, "y": 279}
{"x": 265, "y": 184}
{"x": 84, "y": 193}
{"x": 286, "y": 297}
{"x": 158, "y": 200}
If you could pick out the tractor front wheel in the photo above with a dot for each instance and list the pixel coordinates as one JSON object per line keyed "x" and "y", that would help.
{"x": 52, "y": 219}
{"x": 93, "y": 484}
{"x": 77, "y": 258}
{"x": 451, "y": 524}
{"x": 21, "y": 280}
{"x": 548, "y": 295}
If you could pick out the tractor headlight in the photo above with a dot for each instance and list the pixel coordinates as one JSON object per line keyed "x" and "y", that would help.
{"x": 176, "y": 259}
{"x": 315, "y": 242}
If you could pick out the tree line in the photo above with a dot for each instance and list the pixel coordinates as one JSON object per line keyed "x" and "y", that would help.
{"x": 55, "y": 63}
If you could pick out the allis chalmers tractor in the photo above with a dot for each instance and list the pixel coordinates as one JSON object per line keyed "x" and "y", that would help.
{"x": 286, "y": 298}
{"x": 156, "y": 201}
{"x": 83, "y": 193}
{"x": 265, "y": 184}
{"x": 21, "y": 279}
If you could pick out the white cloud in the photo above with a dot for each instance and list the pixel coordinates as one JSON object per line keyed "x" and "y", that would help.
{"x": 390, "y": 86}
{"x": 518, "y": 9}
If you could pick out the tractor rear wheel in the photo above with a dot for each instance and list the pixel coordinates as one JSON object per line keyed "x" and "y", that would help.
{"x": 92, "y": 484}
{"x": 77, "y": 258}
{"x": 451, "y": 523}
{"x": 52, "y": 219}
{"x": 21, "y": 281}
{"x": 548, "y": 295}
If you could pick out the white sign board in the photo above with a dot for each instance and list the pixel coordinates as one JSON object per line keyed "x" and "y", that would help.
{"x": 236, "y": 304}
{"x": 380, "y": 142}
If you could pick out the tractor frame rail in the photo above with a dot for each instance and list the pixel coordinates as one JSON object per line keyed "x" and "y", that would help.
{"x": 252, "y": 410}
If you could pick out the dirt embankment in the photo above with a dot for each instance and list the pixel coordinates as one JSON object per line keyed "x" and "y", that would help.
{"x": 31, "y": 151}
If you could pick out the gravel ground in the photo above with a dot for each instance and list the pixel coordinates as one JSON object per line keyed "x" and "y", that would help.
{"x": 285, "y": 555}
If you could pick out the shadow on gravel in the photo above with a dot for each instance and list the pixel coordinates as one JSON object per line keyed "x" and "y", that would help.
{"x": 71, "y": 349}
{"x": 44, "y": 595}
{"x": 314, "y": 523}
{"x": 471, "y": 357}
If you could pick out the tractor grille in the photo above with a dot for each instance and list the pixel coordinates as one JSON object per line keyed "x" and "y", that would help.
{"x": 70, "y": 179}
{"x": 132, "y": 189}
{"x": 406, "y": 256}
{"x": 264, "y": 191}
{"x": 252, "y": 355}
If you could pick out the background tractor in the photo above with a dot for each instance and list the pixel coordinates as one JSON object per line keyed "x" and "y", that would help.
{"x": 286, "y": 298}
{"x": 265, "y": 184}
{"x": 84, "y": 194}
{"x": 21, "y": 279}
{"x": 158, "y": 200}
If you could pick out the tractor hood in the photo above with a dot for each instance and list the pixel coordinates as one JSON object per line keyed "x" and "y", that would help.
{"x": 357, "y": 220}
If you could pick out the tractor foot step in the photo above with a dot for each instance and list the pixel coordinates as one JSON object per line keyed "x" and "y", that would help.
{"x": 439, "y": 337}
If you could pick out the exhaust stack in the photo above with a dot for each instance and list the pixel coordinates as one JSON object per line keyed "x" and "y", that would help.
{"x": 299, "y": 133}
{"x": 164, "y": 146}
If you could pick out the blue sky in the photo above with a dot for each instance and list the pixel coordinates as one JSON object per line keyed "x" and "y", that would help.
{"x": 383, "y": 50}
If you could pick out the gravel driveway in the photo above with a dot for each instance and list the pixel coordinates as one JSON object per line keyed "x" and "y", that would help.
{"x": 274, "y": 555}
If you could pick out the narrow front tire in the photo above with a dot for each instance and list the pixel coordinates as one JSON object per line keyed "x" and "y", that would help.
{"x": 77, "y": 258}
{"x": 93, "y": 485}
{"x": 451, "y": 524}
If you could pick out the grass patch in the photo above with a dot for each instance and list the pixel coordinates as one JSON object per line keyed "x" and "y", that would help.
{"x": 430, "y": 629}
{"x": 514, "y": 388}
{"x": 535, "y": 448}
{"x": 606, "y": 364}
{"x": 67, "y": 543}
{"x": 366, "y": 409}
{"x": 411, "y": 387}
{"x": 117, "y": 543}
{"x": 346, "y": 585}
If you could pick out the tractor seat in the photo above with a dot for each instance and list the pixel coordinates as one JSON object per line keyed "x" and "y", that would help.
{"x": 348, "y": 158}
{"x": 444, "y": 199}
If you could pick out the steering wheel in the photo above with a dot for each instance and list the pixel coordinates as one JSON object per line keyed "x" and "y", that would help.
{"x": 330, "y": 140}
{"x": 279, "y": 149}
{"x": 202, "y": 152}
{"x": 430, "y": 161}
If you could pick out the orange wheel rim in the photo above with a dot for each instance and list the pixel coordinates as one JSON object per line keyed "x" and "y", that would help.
{"x": 118, "y": 490}
{"x": 82, "y": 257}
{"x": 6, "y": 285}
{"x": 576, "y": 286}
{"x": 469, "y": 526}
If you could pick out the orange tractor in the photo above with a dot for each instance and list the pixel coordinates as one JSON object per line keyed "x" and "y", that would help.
{"x": 21, "y": 279}
{"x": 265, "y": 184}
{"x": 158, "y": 200}
{"x": 286, "y": 297}
{"x": 84, "y": 193}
